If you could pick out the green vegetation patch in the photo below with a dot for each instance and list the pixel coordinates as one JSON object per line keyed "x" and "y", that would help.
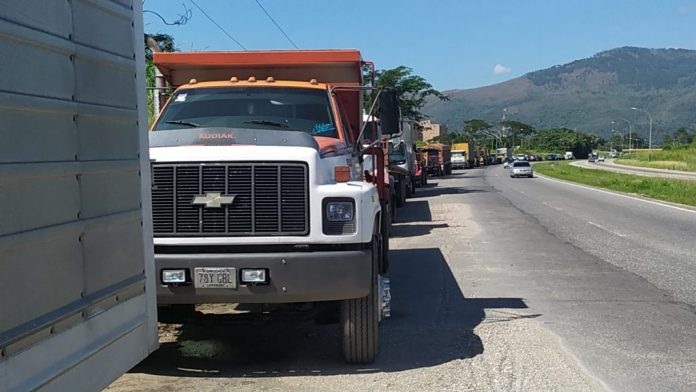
{"x": 674, "y": 159}
{"x": 675, "y": 191}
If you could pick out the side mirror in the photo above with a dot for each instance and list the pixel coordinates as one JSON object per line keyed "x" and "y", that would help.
{"x": 389, "y": 116}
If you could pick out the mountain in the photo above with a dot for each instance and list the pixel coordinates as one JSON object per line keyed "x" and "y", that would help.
{"x": 588, "y": 94}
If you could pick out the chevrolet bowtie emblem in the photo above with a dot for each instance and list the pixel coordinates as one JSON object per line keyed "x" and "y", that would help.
{"x": 213, "y": 200}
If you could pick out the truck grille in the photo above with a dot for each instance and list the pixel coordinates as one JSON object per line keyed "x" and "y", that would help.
{"x": 269, "y": 199}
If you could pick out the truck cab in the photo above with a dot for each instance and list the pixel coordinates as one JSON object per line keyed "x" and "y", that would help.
{"x": 259, "y": 190}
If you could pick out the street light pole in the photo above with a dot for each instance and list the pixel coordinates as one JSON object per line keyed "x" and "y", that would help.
{"x": 630, "y": 130}
{"x": 650, "y": 134}
{"x": 620, "y": 134}
{"x": 502, "y": 133}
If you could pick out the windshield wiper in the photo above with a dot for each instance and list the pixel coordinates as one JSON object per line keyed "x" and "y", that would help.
{"x": 266, "y": 122}
{"x": 187, "y": 123}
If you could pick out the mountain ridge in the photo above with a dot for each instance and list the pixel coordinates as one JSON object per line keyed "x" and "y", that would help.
{"x": 587, "y": 94}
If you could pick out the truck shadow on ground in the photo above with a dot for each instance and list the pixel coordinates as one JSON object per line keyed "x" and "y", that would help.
{"x": 436, "y": 190}
{"x": 432, "y": 323}
{"x": 414, "y": 220}
{"x": 414, "y": 211}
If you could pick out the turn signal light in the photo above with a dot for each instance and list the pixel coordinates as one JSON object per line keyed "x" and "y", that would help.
{"x": 342, "y": 173}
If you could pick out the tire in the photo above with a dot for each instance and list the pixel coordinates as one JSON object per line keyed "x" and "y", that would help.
{"x": 390, "y": 218}
{"x": 385, "y": 225}
{"x": 401, "y": 193}
{"x": 360, "y": 322}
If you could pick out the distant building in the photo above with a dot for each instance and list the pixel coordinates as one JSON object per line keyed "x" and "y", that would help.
{"x": 430, "y": 130}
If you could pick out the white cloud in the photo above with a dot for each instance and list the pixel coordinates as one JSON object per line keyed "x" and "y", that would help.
{"x": 500, "y": 69}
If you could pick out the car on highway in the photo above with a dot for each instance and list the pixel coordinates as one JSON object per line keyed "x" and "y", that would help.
{"x": 521, "y": 169}
{"x": 508, "y": 162}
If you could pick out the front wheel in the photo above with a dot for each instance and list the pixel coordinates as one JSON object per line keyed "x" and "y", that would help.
{"x": 360, "y": 321}
{"x": 383, "y": 246}
{"x": 401, "y": 194}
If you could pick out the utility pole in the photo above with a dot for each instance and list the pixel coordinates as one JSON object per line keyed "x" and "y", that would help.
{"x": 502, "y": 133}
{"x": 650, "y": 132}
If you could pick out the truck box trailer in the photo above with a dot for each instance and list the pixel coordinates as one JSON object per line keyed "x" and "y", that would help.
{"x": 438, "y": 159}
{"x": 77, "y": 294}
{"x": 461, "y": 155}
{"x": 260, "y": 189}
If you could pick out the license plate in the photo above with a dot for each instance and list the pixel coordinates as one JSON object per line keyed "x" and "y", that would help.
{"x": 214, "y": 278}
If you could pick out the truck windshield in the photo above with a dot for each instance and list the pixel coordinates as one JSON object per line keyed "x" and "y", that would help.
{"x": 276, "y": 108}
{"x": 398, "y": 154}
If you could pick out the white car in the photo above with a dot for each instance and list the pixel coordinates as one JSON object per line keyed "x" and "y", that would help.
{"x": 521, "y": 169}
{"x": 600, "y": 158}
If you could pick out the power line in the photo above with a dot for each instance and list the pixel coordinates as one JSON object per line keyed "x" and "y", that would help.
{"x": 218, "y": 26}
{"x": 183, "y": 18}
{"x": 277, "y": 25}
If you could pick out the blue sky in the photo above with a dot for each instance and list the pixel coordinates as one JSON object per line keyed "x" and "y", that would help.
{"x": 453, "y": 44}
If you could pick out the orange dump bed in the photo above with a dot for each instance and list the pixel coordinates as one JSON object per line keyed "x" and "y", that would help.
{"x": 326, "y": 66}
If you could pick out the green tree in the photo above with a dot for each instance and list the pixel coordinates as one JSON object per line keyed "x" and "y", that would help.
{"x": 164, "y": 42}
{"x": 564, "y": 139}
{"x": 476, "y": 131}
{"x": 682, "y": 136}
{"x": 512, "y": 132}
{"x": 154, "y": 42}
{"x": 411, "y": 89}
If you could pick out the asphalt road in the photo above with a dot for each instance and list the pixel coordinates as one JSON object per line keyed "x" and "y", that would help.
{"x": 497, "y": 284}
{"x": 616, "y": 276}
{"x": 610, "y": 165}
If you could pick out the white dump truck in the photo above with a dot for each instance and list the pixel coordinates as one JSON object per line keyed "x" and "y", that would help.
{"x": 259, "y": 191}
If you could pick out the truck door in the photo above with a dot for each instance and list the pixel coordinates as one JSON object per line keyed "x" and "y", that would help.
{"x": 77, "y": 305}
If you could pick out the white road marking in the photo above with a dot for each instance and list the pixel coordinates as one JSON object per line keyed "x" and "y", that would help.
{"x": 618, "y": 194}
{"x": 554, "y": 207}
{"x": 605, "y": 229}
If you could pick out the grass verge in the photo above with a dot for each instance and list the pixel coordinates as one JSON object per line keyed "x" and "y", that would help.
{"x": 676, "y": 159}
{"x": 666, "y": 189}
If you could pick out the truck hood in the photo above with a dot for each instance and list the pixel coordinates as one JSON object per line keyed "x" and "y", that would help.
{"x": 221, "y": 136}
{"x": 239, "y": 153}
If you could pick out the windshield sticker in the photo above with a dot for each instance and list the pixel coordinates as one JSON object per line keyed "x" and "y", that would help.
{"x": 323, "y": 128}
{"x": 180, "y": 98}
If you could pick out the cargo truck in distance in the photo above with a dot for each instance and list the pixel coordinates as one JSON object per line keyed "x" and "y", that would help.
{"x": 261, "y": 191}
{"x": 461, "y": 155}
{"x": 438, "y": 160}
{"x": 402, "y": 163}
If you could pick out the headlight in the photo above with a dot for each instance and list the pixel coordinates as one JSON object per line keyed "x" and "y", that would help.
{"x": 339, "y": 211}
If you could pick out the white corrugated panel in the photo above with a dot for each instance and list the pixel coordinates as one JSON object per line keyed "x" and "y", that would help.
{"x": 77, "y": 305}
